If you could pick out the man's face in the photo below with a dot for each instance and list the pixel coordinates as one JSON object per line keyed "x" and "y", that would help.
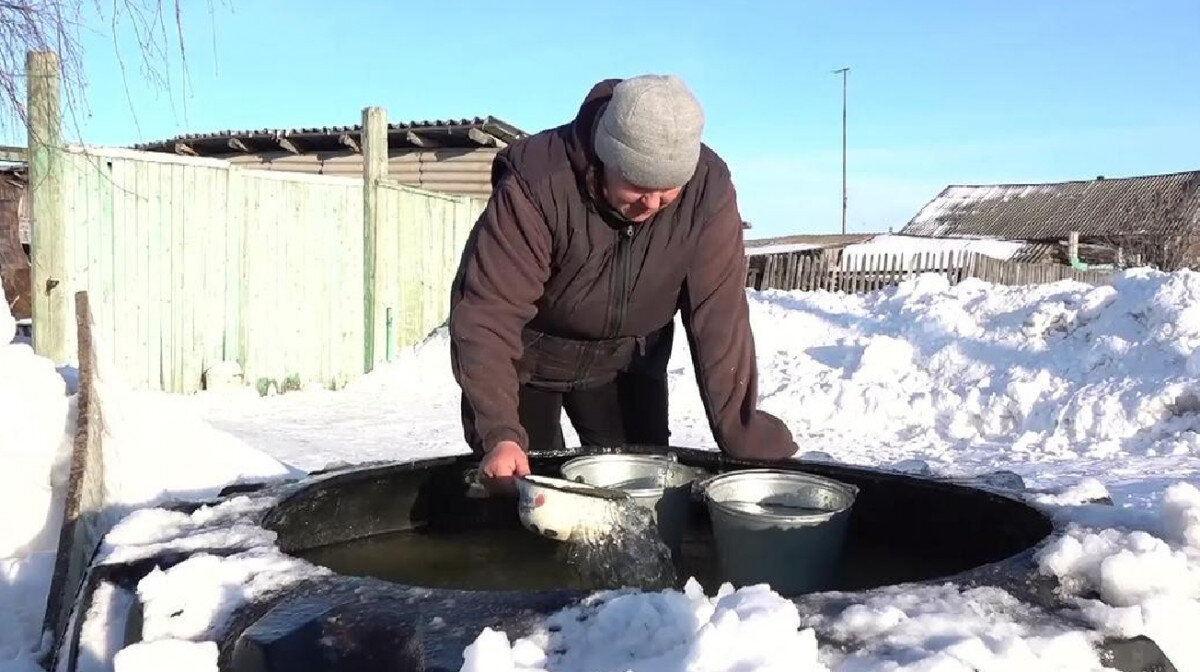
{"x": 634, "y": 203}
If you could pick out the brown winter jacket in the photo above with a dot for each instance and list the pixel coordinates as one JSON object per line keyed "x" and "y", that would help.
{"x": 557, "y": 291}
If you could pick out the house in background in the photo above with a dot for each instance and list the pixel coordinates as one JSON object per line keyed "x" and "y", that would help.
{"x": 453, "y": 157}
{"x": 1152, "y": 220}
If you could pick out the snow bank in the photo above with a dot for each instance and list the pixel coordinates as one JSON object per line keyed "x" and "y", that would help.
{"x": 749, "y": 630}
{"x": 753, "y": 629}
{"x": 950, "y": 628}
{"x": 1130, "y": 583}
{"x": 148, "y": 458}
{"x": 168, "y": 452}
{"x": 35, "y": 428}
{"x": 185, "y": 606}
{"x": 176, "y": 655}
{"x": 978, "y": 376}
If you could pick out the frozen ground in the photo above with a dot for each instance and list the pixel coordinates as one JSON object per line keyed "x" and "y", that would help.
{"x": 1080, "y": 390}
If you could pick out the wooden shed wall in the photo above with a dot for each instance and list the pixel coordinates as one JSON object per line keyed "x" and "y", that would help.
{"x": 14, "y": 264}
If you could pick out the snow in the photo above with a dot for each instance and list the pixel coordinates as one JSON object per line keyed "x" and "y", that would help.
{"x": 1132, "y": 582}
{"x": 911, "y": 245}
{"x": 1066, "y": 394}
{"x": 187, "y": 457}
{"x": 35, "y": 428}
{"x": 194, "y": 598}
{"x": 903, "y": 246}
{"x": 778, "y": 248}
{"x": 950, "y": 628}
{"x": 150, "y": 458}
{"x": 749, "y": 629}
{"x": 186, "y": 656}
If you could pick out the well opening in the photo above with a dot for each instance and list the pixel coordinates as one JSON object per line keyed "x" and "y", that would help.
{"x": 416, "y": 524}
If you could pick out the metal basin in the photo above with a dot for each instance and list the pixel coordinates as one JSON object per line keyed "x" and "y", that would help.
{"x": 658, "y": 483}
{"x": 785, "y": 528}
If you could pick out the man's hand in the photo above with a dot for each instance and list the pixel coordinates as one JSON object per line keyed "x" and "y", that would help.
{"x": 502, "y": 465}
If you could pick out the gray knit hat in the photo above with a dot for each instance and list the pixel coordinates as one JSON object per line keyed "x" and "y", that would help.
{"x": 650, "y": 131}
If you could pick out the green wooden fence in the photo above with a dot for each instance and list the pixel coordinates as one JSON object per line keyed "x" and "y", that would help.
{"x": 190, "y": 262}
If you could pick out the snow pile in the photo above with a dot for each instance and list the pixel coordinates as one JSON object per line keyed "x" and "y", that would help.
{"x": 1087, "y": 491}
{"x": 148, "y": 458}
{"x": 169, "y": 453}
{"x": 753, "y": 629}
{"x": 1130, "y": 583}
{"x": 177, "y": 655}
{"x": 194, "y": 599}
{"x": 749, "y": 630}
{"x": 969, "y": 378}
{"x": 149, "y": 532}
{"x": 949, "y": 628}
{"x": 185, "y": 606}
{"x": 35, "y": 428}
{"x": 976, "y": 375}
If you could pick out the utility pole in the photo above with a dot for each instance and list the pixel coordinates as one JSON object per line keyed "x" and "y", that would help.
{"x": 844, "y": 72}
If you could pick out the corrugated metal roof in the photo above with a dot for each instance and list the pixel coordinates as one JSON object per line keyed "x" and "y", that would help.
{"x": 1154, "y": 204}
{"x": 440, "y": 133}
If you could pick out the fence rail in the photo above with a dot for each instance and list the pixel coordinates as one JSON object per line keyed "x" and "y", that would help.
{"x": 812, "y": 270}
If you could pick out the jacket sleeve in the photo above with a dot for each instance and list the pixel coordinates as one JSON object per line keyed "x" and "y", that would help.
{"x": 716, "y": 317}
{"x": 501, "y": 276}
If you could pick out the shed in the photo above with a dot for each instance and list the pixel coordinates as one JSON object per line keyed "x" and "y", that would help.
{"x": 14, "y": 243}
{"x": 451, "y": 156}
{"x": 1154, "y": 216}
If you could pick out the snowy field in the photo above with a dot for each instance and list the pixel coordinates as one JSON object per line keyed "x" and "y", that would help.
{"x": 1082, "y": 391}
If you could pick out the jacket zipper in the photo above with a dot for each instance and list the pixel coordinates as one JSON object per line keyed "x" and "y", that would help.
{"x": 620, "y": 289}
{"x": 621, "y": 286}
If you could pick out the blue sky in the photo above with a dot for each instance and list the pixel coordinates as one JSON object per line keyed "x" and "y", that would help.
{"x": 940, "y": 92}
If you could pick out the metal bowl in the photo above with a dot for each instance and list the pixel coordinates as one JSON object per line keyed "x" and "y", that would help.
{"x": 564, "y": 510}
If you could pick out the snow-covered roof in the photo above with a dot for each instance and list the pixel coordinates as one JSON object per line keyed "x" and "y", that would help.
{"x": 906, "y": 245}
{"x": 802, "y": 242}
{"x": 1152, "y": 204}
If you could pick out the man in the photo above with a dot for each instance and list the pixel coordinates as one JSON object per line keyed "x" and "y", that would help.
{"x": 596, "y": 233}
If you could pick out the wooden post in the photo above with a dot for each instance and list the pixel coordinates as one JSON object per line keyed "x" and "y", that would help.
{"x": 1073, "y": 248}
{"x": 375, "y": 158}
{"x": 51, "y": 269}
{"x": 81, "y": 528}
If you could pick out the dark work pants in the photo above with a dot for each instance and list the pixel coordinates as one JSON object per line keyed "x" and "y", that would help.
{"x": 631, "y": 410}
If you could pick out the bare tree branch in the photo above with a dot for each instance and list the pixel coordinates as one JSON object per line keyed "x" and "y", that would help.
{"x": 57, "y": 25}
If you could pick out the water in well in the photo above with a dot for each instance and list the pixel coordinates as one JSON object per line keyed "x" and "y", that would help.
{"x": 503, "y": 558}
{"x": 903, "y": 529}
{"x": 627, "y": 554}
